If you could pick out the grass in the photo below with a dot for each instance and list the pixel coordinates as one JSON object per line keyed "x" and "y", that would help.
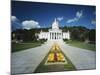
{"x": 82, "y": 45}
{"x": 22, "y": 46}
{"x": 55, "y": 67}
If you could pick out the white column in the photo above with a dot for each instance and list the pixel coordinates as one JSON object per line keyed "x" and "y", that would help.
{"x": 61, "y": 35}
{"x": 54, "y": 36}
{"x": 57, "y": 35}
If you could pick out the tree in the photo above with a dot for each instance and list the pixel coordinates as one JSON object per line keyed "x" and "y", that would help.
{"x": 92, "y": 35}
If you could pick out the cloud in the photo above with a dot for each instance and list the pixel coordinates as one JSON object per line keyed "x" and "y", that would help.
{"x": 78, "y": 15}
{"x": 72, "y": 20}
{"x": 15, "y": 23}
{"x": 29, "y": 24}
{"x": 60, "y": 18}
{"x": 14, "y": 19}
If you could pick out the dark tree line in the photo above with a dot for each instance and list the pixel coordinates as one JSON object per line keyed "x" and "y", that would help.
{"x": 81, "y": 33}
{"x": 27, "y": 35}
{"x": 77, "y": 33}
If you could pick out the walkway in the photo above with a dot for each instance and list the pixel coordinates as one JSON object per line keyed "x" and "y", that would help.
{"x": 26, "y": 61}
{"x": 81, "y": 58}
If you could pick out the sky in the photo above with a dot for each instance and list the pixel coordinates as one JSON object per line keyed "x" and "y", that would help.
{"x": 28, "y": 15}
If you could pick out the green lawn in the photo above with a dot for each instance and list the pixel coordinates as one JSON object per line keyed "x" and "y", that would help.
{"x": 55, "y": 67}
{"x": 82, "y": 45}
{"x": 22, "y": 46}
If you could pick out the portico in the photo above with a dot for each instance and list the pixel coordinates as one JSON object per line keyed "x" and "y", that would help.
{"x": 55, "y": 35}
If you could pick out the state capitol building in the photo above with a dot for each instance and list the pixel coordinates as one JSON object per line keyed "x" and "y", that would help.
{"x": 54, "y": 33}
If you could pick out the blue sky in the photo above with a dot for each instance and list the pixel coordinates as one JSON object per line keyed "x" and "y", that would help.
{"x": 29, "y": 15}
